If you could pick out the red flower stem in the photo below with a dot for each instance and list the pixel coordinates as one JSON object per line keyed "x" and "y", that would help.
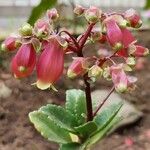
{"x": 103, "y": 102}
{"x": 88, "y": 98}
{"x": 72, "y": 38}
{"x": 87, "y": 94}
{"x": 85, "y": 77}
{"x": 85, "y": 36}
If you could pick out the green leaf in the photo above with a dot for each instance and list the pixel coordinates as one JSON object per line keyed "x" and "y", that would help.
{"x": 76, "y": 104}
{"x": 71, "y": 146}
{"x": 48, "y": 129}
{"x": 100, "y": 134}
{"x": 40, "y": 9}
{"x": 87, "y": 129}
{"x": 103, "y": 118}
{"x": 60, "y": 116}
{"x": 105, "y": 121}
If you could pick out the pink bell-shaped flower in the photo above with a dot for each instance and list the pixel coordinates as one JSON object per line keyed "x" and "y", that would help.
{"x": 114, "y": 34}
{"x": 127, "y": 36}
{"x": 50, "y": 64}
{"x": 24, "y": 61}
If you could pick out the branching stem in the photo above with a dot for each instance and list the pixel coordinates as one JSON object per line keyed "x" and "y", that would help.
{"x": 72, "y": 38}
{"x": 103, "y": 102}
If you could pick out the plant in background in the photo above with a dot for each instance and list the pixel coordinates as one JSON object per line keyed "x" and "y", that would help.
{"x": 80, "y": 123}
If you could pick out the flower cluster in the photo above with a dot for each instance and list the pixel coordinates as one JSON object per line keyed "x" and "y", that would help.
{"x": 42, "y": 48}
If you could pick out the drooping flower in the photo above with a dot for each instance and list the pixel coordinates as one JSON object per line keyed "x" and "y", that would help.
{"x": 133, "y": 18}
{"x": 138, "y": 51}
{"x": 127, "y": 37}
{"x": 9, "y": 44}
{"x": 78, "y": 67}
{"x": 119, "y": 78}
{"x": 24, "y": 61}
{"x": 114, "y": 34}
{"x": 50, "y": 64}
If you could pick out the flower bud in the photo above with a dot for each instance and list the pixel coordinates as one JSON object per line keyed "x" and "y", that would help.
{"x": 50, "y": 64}
{"x": 138, "y": 51}
{"x": 114, "y": 34}
{"x": 95, "y": 71}
{"x": 79, "y": 10}
{"x": 119, "y": 20}
{"x": 93, "y": 14}
{"x": 52, "y": 14}
{"x": 26, "y": 30}
{"x": 42, "y": 29}
{"x": 133, "y": 18}
{"x": 121, "y": 87}
{"x": 24, "y": 61}
{"x": 131, "y": 61}
{"x": 78, "y": 67}
{"x": 9, "y": 44}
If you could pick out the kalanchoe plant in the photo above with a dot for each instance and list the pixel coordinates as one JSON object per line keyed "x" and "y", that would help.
{"x": 80, "y": 123}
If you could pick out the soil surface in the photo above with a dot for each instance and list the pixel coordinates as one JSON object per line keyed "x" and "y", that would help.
{"x": 17, "y": 133}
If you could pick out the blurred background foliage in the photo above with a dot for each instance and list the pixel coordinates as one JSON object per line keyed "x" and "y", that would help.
{"x": 40, "y": 9}
{"x": 20, "y": 11}
{"x": 147, "y": 4}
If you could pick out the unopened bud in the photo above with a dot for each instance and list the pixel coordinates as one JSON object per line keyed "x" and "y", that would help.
{"x": 26, "y": 30}
{"x": 118, "y": 46}
{"x": 121, "y": 88}
{"x": 95, "y": 71}
{"x": 93, "y": 14}
{"x": 119, "y": 20}
{"x": 138, "y": 51}
{"x": 106, "y": 73}
{"x": 133, "y": 18}
{"x": 131, "y": 61}
{"x": 10, "y": 44}
{"x": 42, "y": 28}
{"x": 79, "y": 10}
{"x": 52, "y": 14}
